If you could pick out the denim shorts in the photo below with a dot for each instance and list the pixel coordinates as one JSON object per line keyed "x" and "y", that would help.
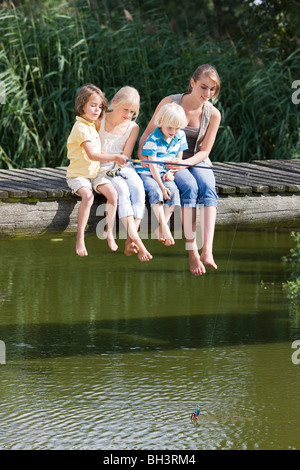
{"x": 154, "y": 192}
{"x": 197, "y": 186}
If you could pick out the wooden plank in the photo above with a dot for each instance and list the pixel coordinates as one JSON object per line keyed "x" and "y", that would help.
{"x": 234, "y": 179}
{"x": 31, "y": 185}
{"x": 19, "y": 191}
{"x": 287, "y": 173}
{"x": 256, "y": 186}
{"x": 288, "y": 165}
{"x": 290, "y": 181}
{"x": 256, "y": 176}
{"x": 47, "y": 174}
{"x": 16, "y": 191}
{"x": 228, "y": 180}
{"x": 225, "y": 189}
{"x": 33, "y": 176}
{"x": 277, "y": 173}
{"x": 58, "y": 174}
{"x": 273, "y": 174}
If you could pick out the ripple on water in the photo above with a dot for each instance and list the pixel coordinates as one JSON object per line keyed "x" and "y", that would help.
{"x": 102, "y": 366}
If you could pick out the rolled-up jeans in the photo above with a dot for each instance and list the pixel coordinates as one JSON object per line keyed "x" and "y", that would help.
{"x": 197, "y": 186}
{"x": 154, "y": 192}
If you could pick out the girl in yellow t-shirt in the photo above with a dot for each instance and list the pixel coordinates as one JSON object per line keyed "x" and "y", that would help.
{"x": 84, "y": 172}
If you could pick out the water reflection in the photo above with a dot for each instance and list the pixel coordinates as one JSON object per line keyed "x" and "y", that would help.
{"x": 107, "y": 352}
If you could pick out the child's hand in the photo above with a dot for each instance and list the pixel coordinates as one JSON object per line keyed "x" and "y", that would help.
{"x": 168, "y": 176}
{"x": 121, "y": 159}
{"x": 166, "y": 193}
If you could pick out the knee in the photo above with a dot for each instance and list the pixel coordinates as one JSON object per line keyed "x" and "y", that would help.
{"x": 188, "y": 190}
{"x": 138, "y": 195}
{"x": 112, "y": 197}
{"x": 156, "y": 195}
{"x": 87, "y": 198}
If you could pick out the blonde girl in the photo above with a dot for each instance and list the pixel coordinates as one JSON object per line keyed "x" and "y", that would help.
{"x": 84, "y": 172}
{"x": 166, "y": 143}
{"x": 118, "y": 133}
{"x": 197, "y": 185}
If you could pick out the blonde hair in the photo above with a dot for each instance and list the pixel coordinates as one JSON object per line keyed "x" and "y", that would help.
{"x": 128, "y": 95}
{"x": 210, "y": 72}
{"x": 171, "y": 115}
{"x": 83, "y": 96}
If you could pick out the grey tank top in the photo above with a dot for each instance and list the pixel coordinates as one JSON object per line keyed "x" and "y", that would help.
{"x": 195, "y": 135}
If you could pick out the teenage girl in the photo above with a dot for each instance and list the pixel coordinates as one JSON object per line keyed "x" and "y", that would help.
{"x": 84, "y": 171}
{"x": 118, "y": 133}
{"x": 197, "y": 185}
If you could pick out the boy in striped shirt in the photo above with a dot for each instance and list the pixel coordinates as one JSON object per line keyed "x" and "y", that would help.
{"x": 168, "y": 141}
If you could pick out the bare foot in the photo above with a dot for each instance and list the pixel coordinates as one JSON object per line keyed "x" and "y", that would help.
{"x": 80, "y": 247}
{"x": 158, "y": 233}
{"x": 164, "y": 236}
{"x": 144, "y": 255}
{"x": 196, "y": 266}
{"x": 131, "y": 248}
{"x": 168, "y": 241}
{"x": 110, "y": 241}
{"x": 207, "y": 258}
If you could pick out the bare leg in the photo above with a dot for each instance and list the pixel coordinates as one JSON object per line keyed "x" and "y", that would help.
{"x": 87, "y": 199}
{"x": 208, "y": 218}
{"x": 131, "y": 247}
{"x": 189, "y": 226}
{"x": 134, "y": 244}
{"x": 111, "y": 195}
{"x": 164, "y": 233}
{"x": 168, "y": 211}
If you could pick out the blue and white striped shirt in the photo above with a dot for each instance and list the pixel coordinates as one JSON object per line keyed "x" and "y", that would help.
{"x": 157, "y": 146}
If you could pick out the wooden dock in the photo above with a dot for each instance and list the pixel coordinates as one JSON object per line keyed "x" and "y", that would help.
{"x": 257, "y": 195}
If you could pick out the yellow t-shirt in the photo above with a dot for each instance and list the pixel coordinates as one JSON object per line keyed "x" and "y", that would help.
{"x": 80, "y": 164}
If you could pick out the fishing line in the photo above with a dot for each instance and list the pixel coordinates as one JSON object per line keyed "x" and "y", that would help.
{"x": 196, "y": 415}
{"x": 228, "y": 259}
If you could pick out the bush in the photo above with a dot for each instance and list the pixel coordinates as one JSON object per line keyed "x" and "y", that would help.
{"x": 46, "y": 57}
{"x": 292, "y": 286}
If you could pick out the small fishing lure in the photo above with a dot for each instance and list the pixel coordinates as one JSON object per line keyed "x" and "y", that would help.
{"x": 194, "y": 416}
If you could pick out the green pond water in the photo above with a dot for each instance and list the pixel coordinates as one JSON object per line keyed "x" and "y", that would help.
{"x": 106, "y": 352}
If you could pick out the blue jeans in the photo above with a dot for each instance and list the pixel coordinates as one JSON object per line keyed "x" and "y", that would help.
{"x": 197, "y": 186}
{"x": 154, "y": 192}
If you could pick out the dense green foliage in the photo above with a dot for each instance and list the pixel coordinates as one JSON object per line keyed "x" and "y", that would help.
{"x": 47, "y": 53}
{"x": 292, "y": 286}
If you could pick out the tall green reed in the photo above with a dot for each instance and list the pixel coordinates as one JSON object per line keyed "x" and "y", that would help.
{"x": 46, "y": 57}
{"x": 292, "y": 285}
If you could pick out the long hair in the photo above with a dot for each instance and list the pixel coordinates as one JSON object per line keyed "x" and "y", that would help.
{"x": 210, "y": 72}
